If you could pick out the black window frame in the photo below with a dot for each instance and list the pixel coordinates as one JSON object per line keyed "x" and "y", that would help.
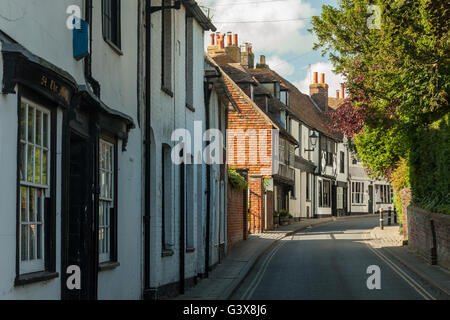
{"x": 111, "y": 24}
{"x": 326, "y": 193}
{"x": 50, "y": 210}
{"x": 166, "y": 48}
{"x": 189, "y": 62}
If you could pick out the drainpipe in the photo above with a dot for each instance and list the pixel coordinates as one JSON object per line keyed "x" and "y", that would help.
{"x": 147, "y": 143}
{"x": 207, "y": 93}
{"x": 182, "y": 227}
{"x": 88, "y": 59}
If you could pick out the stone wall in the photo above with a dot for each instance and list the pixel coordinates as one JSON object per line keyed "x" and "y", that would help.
{"x": 429, "y": 235}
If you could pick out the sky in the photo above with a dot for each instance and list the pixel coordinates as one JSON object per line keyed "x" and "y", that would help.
{"x": 287, "y": 45}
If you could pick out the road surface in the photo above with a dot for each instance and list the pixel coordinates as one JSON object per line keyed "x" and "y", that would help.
{"x": 329, "y": 262}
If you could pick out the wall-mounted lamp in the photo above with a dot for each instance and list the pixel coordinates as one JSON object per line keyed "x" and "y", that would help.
{"x": 312, "y": 141}
{"x": 176, "y": 5}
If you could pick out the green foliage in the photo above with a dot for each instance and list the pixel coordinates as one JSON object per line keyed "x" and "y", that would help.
{"x": 400, "y": 180}
{"x": 430, "y": 167}
{"x": 398, "y": 80}
{"x": 237, "y": 181}
{"x": 399, "y": 75}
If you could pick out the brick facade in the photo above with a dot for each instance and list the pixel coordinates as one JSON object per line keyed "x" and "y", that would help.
{"x": 429, "y": 235}
{"x": 237, "y": 216}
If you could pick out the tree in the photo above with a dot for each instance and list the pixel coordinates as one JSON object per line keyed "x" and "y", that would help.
{"x": 397, "y": 74}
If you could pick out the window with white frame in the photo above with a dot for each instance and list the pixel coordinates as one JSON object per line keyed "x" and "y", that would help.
{"x": 340, "y": 198}
{"x": 106, "y": 199}
{"x": 34, "y": 172}
{"x": 357, "y": 192}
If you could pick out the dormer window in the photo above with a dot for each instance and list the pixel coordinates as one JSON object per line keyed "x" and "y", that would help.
{"x": 284, "y": 97}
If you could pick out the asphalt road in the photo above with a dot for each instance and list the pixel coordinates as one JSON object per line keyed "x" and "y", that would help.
{"x": 328, "y": 262}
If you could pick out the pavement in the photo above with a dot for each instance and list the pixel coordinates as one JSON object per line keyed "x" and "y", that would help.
{"x": 389, "y": 241}
{"x": 226, "y": 277}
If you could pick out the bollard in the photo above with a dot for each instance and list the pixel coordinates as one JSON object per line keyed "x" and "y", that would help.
{"x": 395, "y": 215}
{"x": 389, "y": 216}
{"x": 381, "y": 219}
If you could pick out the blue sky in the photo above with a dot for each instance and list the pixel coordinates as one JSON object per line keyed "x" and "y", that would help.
{"x": 287, "y": 45}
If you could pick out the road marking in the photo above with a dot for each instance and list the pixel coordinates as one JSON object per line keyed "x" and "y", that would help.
{"x": 422, "y": 291}
{"x": 257, "y": 280}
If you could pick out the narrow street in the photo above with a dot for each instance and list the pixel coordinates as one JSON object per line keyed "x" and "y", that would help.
{"x": 327, "y": 262}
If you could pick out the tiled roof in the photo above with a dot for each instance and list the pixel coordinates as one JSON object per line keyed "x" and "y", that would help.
{"x": 237, "y": 73}
{"x": 300, "y": 104}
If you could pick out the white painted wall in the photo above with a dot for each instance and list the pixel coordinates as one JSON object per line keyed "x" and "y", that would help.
{"x": 40, "y": 26}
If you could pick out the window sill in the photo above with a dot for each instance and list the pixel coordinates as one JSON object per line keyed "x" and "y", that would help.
{"x": 104, "y": 266}
{"x": 167, "y": 253}
{"x": 190, "y": 250}
{"x": 167, "y": 91}
{"x": 190, "y": 107}
{"x": 34, "y": 277}
{"x": 114, "y": 47}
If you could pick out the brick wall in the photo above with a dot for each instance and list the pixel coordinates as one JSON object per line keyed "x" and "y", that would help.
{"x": 405, "y": 195}
{"x": 421, "y": 238}
{"x": 236, "y": 215}
{"x": 256, "y": 205}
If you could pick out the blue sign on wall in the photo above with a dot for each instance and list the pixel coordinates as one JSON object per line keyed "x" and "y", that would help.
{"x": 81, "y": 40}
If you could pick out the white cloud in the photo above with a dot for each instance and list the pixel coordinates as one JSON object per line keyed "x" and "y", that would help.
{"x": 270, "y": 37}
{"x": 333, "y": 80}
{"x": 282, "y": 67}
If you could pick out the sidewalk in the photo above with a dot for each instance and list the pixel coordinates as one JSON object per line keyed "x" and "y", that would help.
{"x": 226, "y": 277}
{"x": 390, "y": 242}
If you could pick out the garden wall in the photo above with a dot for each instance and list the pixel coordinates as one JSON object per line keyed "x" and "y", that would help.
{"x": 429, "y": 235}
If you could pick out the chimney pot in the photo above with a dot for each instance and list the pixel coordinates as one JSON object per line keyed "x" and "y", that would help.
{"x": 316, "y": 76}
{"x": 342, "y": 91}
{"x": 213, "y": 38}
{"x": 337, "y": 94}
{"x": 229, "y": 36}
{"x": 262, "y": 59}
{"x": 322, "y": 78}
{"x": 235, "y": 40}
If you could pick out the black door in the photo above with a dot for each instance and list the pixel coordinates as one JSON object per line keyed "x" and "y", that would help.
{"x": 370, "y": 199}
{"x": 334, "y": 200}
{"x": 79, "y": 238}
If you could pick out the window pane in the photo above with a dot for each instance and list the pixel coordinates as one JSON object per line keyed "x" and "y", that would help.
{"x": 31, "y": 124}
{"x": 22, "y": 161}
{"x": 39, "y": 205}
{"x": 45, "y": 130}
{"x": 37, "y": 166}
{"x": 23, "y": 204}
{"x": 24, "y": 242}
{"x": 39, "y": 242}
{"x": 32, "y": 238}
{"x": 23, "y": 121}
{"x": 38, "y": 127}
{"x": 44, "y": 167}
{"x": 31, "y": 202}
{"x": 30, "y": 158}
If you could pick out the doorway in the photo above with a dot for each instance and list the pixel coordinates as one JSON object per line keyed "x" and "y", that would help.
{"x": 370, "y": 199}
{"x": 79, "y": 248}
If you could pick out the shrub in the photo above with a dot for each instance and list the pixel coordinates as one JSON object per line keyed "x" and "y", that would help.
{"x": 237, "y": 181}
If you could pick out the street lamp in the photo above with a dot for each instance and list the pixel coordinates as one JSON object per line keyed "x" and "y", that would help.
{"x": 312, "y": 141}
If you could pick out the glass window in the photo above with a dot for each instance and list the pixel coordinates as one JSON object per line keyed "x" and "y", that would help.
{"x": 106, "y": 200}
{"x": 33, "y": 166}
{"x": 111, "y": 22}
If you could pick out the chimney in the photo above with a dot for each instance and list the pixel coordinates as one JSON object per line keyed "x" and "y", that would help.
{"x": 229, "y": 36}
{"x": 342, "y": 91}
{"x": 316, "y": 77}
{"x": 247, "y": 57}
{"x": 222, "y": 41}
{"x": 337, "y": 94}
{"x": 262, "y": 62}
{"x": 235, "y": 40}
{"x": 319, "y": 92}
{"x": 213, "y": 38}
